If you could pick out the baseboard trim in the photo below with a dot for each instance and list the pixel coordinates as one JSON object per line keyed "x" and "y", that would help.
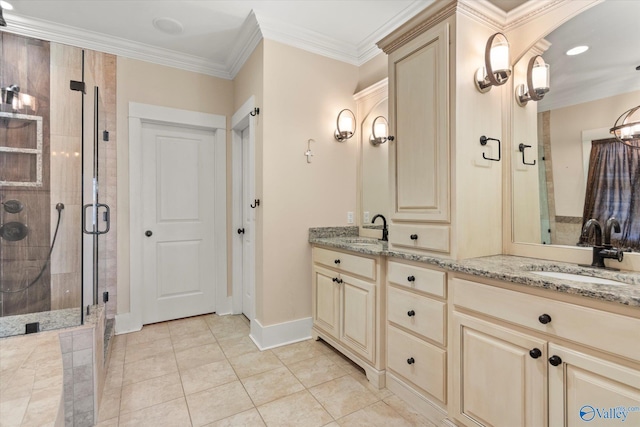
{"x": 425, "y": 407}
{"x": 125, "y": 323}
{"x": 267, "y": 337}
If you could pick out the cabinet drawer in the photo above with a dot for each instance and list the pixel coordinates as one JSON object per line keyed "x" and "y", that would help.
{"x": 361, "y": 266}
{"x": 425, "y": 280}
{"x": 419, "y": 314}
{"x": 427, "y": 369}
{"x": 420, "y": 236}
{"x": 588, "y": 326}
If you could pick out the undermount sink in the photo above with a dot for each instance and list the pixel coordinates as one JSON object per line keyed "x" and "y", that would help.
{"x": 578, "y": 278}
{"x": 362, "y": 242}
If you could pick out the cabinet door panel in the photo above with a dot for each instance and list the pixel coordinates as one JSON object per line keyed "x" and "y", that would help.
{"x": 358, "y": 313}
{"x": 498, "y": 382}
{"x": 419, "y": 156}
{"x": 326, "y": 300}
{"x": 585, "y": 389}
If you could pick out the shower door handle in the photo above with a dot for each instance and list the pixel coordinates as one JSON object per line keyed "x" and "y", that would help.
{"x": 107, "y": 218}
{"x": 84, "y": 219}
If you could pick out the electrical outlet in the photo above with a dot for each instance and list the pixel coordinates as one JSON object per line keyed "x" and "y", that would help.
{"x": 366, "y": 218}
{"x": 349, "y": 217}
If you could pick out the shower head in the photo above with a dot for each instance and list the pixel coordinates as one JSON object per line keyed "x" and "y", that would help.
{"x": 59, "y": 206}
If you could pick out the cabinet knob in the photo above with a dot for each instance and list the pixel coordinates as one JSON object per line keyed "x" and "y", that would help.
{"x": 411, "y": 278}
{"x": 535, "y": 353}
{"x": 555, "y": 360}
{"x": 337, "y": 261}
{"x": 411, "y": 313}
{"x": 148, "y": 233}
{"x": 414, "y": 237}
{"x": 240, "y": 230}
{"x": 411, "y": 361}
{"x": 335, "y": 279}
{"x": 544, "y": 319}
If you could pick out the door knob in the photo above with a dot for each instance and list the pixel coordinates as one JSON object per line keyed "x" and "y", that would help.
{"x": 148, "y": 233}
{"x": 240, "y": 230}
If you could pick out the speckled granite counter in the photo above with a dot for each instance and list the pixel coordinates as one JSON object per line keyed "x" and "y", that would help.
{"x": 501, "y": 267}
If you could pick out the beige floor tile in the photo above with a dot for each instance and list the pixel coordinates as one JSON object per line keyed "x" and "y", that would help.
{"x": 271, "y": 385}
{"x": 113, "y": 379}
{"x": 377, "y": 415}
{"x": 316, "y": 370}
{"x": 408, "y": 412}
{"x": 148, "y": 333}
{"x": 168, "y": 414}
{"x": 332, "y": 424}
{"x": 151, "y": 392}
{"x": 218, "y": 403}
{"x": 233, "y": 347}
{"x": 380, "y": 393}
{"x": 345, "y": 363}
{"x": 296, "y": 410}
{"x": 207, "y": 376}
{"x": 299, "y": 351}
{"x": 250, "y": 418}
{"x": 187, "y": 326}
{"x": 254, "y": 363}
{"x": 110, "y": 404}
{"x": 195, "y": 339}
{"x": 343, "y": 396}
{"x": 147, "y": 349}
{"x": 198, "y": 356}
{"x": 225, "y": 327}
{"x": 146, "y": 369}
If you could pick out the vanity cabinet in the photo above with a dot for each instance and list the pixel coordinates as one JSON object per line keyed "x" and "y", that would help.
{"x": 416, "y": 335}
{"x": 543, "y": 362}
{"x": 348, "y": 308}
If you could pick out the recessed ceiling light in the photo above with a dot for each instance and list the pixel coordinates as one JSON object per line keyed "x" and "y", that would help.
{"x": 577, "y": 50}
{"x": 6, "y": 5}
{"x": 168, "y": 25}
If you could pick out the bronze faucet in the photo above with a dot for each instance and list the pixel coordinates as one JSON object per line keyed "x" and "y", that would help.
{"x": 385, "y": 230}
{"x": 603, "y": 250}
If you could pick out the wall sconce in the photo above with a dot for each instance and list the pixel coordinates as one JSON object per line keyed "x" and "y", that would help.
{"x": 537, "y": 82}
{"x": 627, "y": 128}
{"x": 379, "y": 130}
{"x": 345, "y": 125}
{"x": 496, "y": 70}
{"x": 11, "y": 95}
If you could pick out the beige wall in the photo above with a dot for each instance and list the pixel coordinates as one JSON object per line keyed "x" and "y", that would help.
{"x": 303, "y": 94}
{"x": 148, "y": 83}
{"x": 567, "y": 125}
{"x": 373, "y": 71}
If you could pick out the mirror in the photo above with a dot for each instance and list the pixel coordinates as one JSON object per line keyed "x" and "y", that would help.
{"x": 588, "y": 93}
{"x": 373, "y": 176}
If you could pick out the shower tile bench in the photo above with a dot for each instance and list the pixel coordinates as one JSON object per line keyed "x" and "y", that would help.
{"x": 53, "y": 378}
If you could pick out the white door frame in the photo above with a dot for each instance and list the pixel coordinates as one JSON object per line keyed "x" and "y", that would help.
{"x": 144, "y": 113}
{"x": 241, "y": 121}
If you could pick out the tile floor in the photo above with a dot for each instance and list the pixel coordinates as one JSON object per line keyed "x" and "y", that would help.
{"x": 206, "y": 371}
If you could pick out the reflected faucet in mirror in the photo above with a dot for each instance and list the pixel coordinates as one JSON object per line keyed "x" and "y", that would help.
{"x": 385, "y": 231}
{"x": 603, "y": 249}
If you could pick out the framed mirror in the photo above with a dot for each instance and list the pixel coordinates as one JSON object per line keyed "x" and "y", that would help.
{"x": 373, "y": 175}
{"x": 588, "y": 92}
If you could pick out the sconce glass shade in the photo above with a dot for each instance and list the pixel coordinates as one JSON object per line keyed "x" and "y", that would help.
{"x": 379, "y": 130}
{"x": 345, "y": 125}
{"x": 496, "y": 70}
{"x": 537, "y": 82}
{"x": 627, "y": 128}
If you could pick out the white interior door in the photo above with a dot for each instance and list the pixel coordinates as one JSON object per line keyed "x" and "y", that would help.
{"x": 248, "y": 219}
{"x": 178, "y": 197}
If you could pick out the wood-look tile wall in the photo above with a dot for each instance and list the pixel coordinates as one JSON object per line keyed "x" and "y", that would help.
{"x": 25, "y": 62}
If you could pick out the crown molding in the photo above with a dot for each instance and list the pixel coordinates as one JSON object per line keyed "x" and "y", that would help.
{"x": 58, "y": 33}
{"x": 248, "y": 39}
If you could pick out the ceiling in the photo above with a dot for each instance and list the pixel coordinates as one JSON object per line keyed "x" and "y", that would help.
{"x": 217, "y": 35}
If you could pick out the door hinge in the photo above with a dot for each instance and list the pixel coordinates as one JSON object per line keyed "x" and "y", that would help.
{"x": 105, "y": 296}
{"x": 77, "y": 86}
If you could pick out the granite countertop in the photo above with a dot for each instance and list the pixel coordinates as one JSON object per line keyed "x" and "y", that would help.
{"x": 509, "y": 268}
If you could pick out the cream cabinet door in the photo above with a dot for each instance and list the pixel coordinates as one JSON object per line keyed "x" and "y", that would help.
{"x": 418, "y": 105}
{"x": 326, "y": 301}
{"x": 357, "y": 315}
{"x": 499, "y": 375}
{"x": 586, "y": 390}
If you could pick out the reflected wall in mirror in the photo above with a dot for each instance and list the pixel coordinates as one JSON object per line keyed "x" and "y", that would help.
{"x": 373, "y": 176}
{"x": 588, "y": 93}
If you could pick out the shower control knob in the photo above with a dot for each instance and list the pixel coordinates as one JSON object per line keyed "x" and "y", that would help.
{"x": 148, "y": 233}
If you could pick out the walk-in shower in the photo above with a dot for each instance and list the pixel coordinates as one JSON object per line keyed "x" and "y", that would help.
{"x": 52, "y": 221}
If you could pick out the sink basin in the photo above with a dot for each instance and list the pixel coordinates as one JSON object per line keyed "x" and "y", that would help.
{"x": 578, "y": 278}
{"x": 363, "y": 242}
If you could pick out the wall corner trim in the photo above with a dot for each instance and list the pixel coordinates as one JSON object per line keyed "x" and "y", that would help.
{"x": 271, "y": 336}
